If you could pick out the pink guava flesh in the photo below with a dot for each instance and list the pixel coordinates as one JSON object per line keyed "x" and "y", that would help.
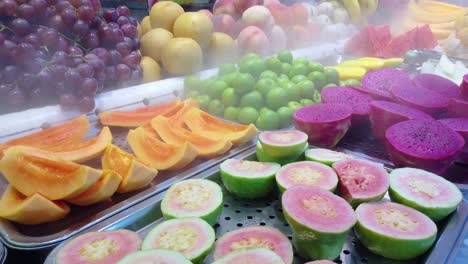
{"x": 425, "y": 144}
{"x": 99, "y": 247}
{"x": 362, "y": 180}
{"x": 283, "y": 138}
{"x": 438, "y": 84}
{"x": 307, "y": 173}
{"x": 395, "y": 220}
{"x": 457, "y": 107}
{"x": 384, "y": 114}
{"x": 255, "y": 236}
{"x": 358, "y": 101}
{"x": 460, "y": 125}
{"x": 251, "y": 255}
{"x": 379, "y": 83}
{"x": 325, "y": 124}
{"x": 318, "y": 209}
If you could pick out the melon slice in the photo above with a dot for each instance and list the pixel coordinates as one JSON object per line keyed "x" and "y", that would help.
{"x": 100, "y": 191}
{"x": 420, "y": 98}
{"x": 193, "y": 198}
{"x": 319, "y": 219}
{"x": 325, "y": 156}
{"x": 159, "y": 256}
{"x": 178, "y": 136}
{"x": 384, "y": 114}
{"x": 283, "y": 144}
{"x": 262, "y": 156}
{"x": 423, "y": 144}
{"x": 325, "y": 124}
{"x": 54, "y": 178}
{"x": 72, "y": 131}
{"x": 357, "y": 101}
{"x": 32, "y": 210}
{"x": 438, "y": 84}
{"x": 251, "y": 256}
{"x": 394, "y": 231}
{"x": 135, "y": 175}
{"x": 457, "y": 107}
{"x": 379, "y": 83}
{"x": 248, "y": 179}
{"x": 192, "y": 237}
{"x": 212, "y": 127}
{"x": 158, "y": 154}
{"x": 361, "y": 181}
{"x": 306, "y": 173}
{"x": 99, "y": 247}
{"x": 460, "y": 125}
{"x": 254, "y": 237}
{"x": 426, "y": 192}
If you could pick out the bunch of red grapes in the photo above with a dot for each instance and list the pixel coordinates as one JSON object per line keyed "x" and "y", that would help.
{"x": 64, "y": 51}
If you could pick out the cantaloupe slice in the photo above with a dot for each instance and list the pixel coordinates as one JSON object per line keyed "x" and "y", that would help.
{"x": 100, "y": 191}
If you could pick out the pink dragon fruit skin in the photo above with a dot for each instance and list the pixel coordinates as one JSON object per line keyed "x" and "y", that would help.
{"x": 460, "y": 125}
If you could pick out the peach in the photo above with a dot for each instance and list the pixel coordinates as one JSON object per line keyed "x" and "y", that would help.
{"x": 253, "y": 40}
{"x": 206, "y": 12}
{"x": 242, "y": 5}
{"x": 225, "y": 7}
{"x": 299, "y": 13}
{"x": 260, "y": 17}
{"x": 224, "y": 23}
{"x": 281, "y": 14}
{"x": 278, "y": 39}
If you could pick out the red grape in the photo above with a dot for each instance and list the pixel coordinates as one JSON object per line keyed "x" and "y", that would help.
{"x": 37, "y": 96}
{"x": 133, "y": 21}
{"x": 95, "y": 23}
{"x": 89, "y": 86}
{"x": 16, "y": 97}
{"x": 41, "y": 54}
{"x": 62, "y": 5}
{"x": 80, "y": 28}
{"x": 136, "y": 43}
{"x": 123, "y": 48}
{"x": 39, "y": 5}
{"x": 132, "y": 60}
{"x": 123, "y": 72}
{"x": 61, "y": 58}
{"x": 62, "y": 44}
{"x": 72, "y": 78}
{"x": 2, "y": 38}
{"x": 116, "y": 57}
{"x": 24, "y": 51}
{"x": 9, "y": 73}
{"x": 110, "y": 14}
{"x": 117, "y": 35}
{"x": 75, "y": 51}
{"x": 86, "y": 104}
{"x": 129, "y": 30}
{"x": 26, "y": 11}
{"x": 56, "y": 22}
{"x": 20, "y": 26}
{"x": 123, "y": 11}
{"x": 8, "y": 48}
{"x": 35, "y": 65}
{"x": 45, "y": 78}
{"x": 91, "y": 41}
{"x": 68, "y": 101}
{"x": 102, "y": 54}
{"x": 32, "y": 39}
{"x": 8, "y": 7}
{"x": 85, "y": 70}
{"x": 50, "y": 37}
{"x": 86, "y": 13}
{"x": 96, "y": 5}
{"x": 122, "y": 20}
{"x": 68, "y": 16}
{"x": 26, "y": 81}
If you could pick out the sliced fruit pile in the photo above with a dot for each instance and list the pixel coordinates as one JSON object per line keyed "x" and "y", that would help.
{"x": 320, "y": 220}
{"x": 262, "y": 92}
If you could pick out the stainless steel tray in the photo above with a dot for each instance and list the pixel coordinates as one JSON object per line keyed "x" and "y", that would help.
{"x": 3, "y": 253}
{"x": 239, "y": 213}
{"x": 47, "y": 235}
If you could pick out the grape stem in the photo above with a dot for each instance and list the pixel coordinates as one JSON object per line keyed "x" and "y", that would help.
{"x": 65, "y": 37}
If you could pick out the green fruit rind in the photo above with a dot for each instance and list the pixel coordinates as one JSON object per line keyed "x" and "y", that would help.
{"x": 209, "y": 192}
{"x": 426, "y": 183}
{"x": 391, "y": 246}
{"x": 164, "y": 255}
{"x": 325, "y": 156}
{"x": 253, "y": 255}
{"x": 283, "y": 144}
{"x": 183, "y": 243}
{"x": 262, "y": 156}
{"x": 248, "y": 179}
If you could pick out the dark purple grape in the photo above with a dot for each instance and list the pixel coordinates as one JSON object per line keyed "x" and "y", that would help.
{"x": 25, "y": 51}
{"x": 51, "y": 2}
{"x": 89, "y": 86}
{"x": 129, "y": 30}
{"x": 136, "y": 43}
{"x": 8, "y": 7}
{"x": 103, "y": 54}
{"x": 86, "y": 104}
{"x": 96, "y": 5}
{"x": 26, "y": 81}
{"x": 58, "y": 71}
{"x": 75, "y": 3}
{"x": 116, "y": 57}
{"x": 123, "y": 48}
{"x": 123, "y": 11}
{"x": 26, "y": 11}
{"x": 68, "y": 16}
{"x": 110, "y": 14}
{"x": 80, "y": 28}
{"x": 101, "y": 76}
{"x": 4, "y": 89}
{"x": 8, "y": 48}
{"x": 35, "y": 65}
{"x": 123, "y": 72}
{"x": 91, "y": 56}
{"x": 68, "y": 101}
{"x": 56, "y": 22}
{"x": 72, "y": 78}
{"x": 110, "y": 74}
{"x": 133, "y": 21}
{"x": 98, "y": 65}
{"x": 122, "y": 20}
{"x": 137, "y": 75}
{"x": 86, "y": 13}
{"x": 75, "y": 51}
{"x": 61, "y": 57}
{"x": 91, "y": 40}
{"x": 75, "y": 61}
{"x": 62, "y": 44}
{"x": 20, "y": 26}
{"x": 32, "y": 39}
{"x": 132, "y": 60}
{"x": 117, "y": 35}
{"x": 41, "y": 54}
{"x": 39, "y": 5}
{"x": 19, "y": 2}
{"x": 48, "y": 12}
{"x": 113, "y": 25}
{"x": 38, "y": 96}
{"x": 9, "y": 74}
{"x": 84, "y": 3}
{"x": 95, "y": 23}
{"x": 50, "y": 37}
{"x": 85, "y": 70}
{"x": 2, "y": 38}
{"x": 62, "y": 5}
{"x": 105, "y": 34}
{"x": 17, "y": 39}
{"x": 16, "y": 97}
{"x": 45, "y": 78}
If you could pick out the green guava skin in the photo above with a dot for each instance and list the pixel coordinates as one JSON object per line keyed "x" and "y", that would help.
{"x": 283, "y": 151}
{"x": 357, "y": 201}
{"x": 264, "y": 157}
{"x": 390, "y": 247}
{"x": 326, "y": 162}
{"x": 282, "y": 188}
{"x": 313, "y": 244}
{"x": 249, "y": 188}
{"x": 211, "y": 218}
{"x": 434, "y": 213}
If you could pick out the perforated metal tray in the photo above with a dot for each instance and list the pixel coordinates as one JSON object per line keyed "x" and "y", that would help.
{"x": 238, "y": 213}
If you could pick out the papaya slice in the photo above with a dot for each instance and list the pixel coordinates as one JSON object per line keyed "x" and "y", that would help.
{"x": 149, "y": 129}
{"x": 160, "y": 155}
{"x": 81, "y": 151}
{"x": 32, "y": 210}
{"x": 175, "y": 135}
{"x": 177, "y": 118}
{"x": 54, "y": 178}
{"x": 100, "y": 191}
{"x": 135, "y": 175}
{"x": 139, "y": 116}
{"x": 67, "y": 133}
{"x": 212, "y": 127}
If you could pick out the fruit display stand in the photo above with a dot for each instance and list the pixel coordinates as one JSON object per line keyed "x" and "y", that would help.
{"x": 239, "y": 213}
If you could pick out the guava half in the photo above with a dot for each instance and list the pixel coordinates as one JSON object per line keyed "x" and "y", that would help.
{"x": 361, "y": 181}
{"x": 306, "y": 173}
{"x": 264, "y": 157}
{"x": 160, "y": 256}
{"x": 248, "y": 179}
{"x": 319, "y": 219}
{"x": 250, "y": 256}
{"x": 393, "y": 230}
{"x": 283, "y": 144}
{"x": 325, "y": 156}
{"x": 254, "y": 237}
{"x": 99, "y": 247}
{"x": 193, "y": 237}
{"x": 193, "y": 198}
{"x": 424, "y": 191}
